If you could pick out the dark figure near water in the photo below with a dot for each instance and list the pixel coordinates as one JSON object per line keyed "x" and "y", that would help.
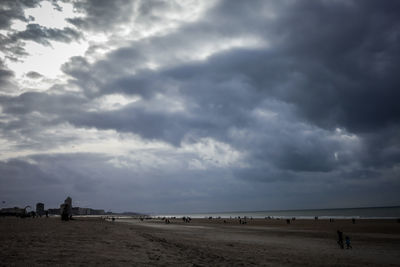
{"x": 47, "y": 214}
{"x": 353, "y": 221}
{"x": 287, "y": 221}
{"x": 340, "y": 239}
{"x": 348, "y": 242}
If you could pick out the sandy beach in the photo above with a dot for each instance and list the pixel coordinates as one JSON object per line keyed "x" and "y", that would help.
{"x": 202, "y": 242}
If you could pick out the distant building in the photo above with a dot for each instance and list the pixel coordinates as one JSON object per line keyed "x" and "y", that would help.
{"x": 80, "y": 211}
{"x": 12, "y": 212}
{"x": 40, "y": 209}
{"x": 97, "y": 212}
{"x": 86, "y": 211}
{"x": 54, "y": 211}
{"x": 67, "y": 208}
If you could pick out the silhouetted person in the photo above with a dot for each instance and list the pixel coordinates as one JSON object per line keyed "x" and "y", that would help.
{"x": 348, "y": 242}
{"x": 353, "y": 221}
{"x": 64, "y": 214}
{"x": 287, "y": 221}
{"x": 47, "y": 214}
{"x": 340, "y": 239}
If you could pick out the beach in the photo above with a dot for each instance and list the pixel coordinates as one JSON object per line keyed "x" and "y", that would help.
{"x": 89, "y": 241}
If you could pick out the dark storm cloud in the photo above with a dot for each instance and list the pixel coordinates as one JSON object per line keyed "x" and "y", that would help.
{"x": 105, "y": 15}
{"x": 347, "y": 65}
{"x": 59, "y": 174}
{"x": 101, "y": 15}
{"x": 311, "y": 109}
{"x": 40, "y": 102}
{"x": 15, "y": 173}
{"x": 7, "y": 82}
{"x": 335, "y": 61}
{"x": 383, "y": 147}
{"x": 34, "y": 75}
{"x": 5, "y": 74}
{"x": 42, "y": 35}
{"x": 32, "y": 112}
{"x": 14, "y": 10}
{"x": 13, "y": 42}
{"x": 323, "y": 73}
{"x": 324, "y": 56}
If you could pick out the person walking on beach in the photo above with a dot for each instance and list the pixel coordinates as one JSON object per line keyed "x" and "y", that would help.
{"x": 340, "y": 239}
{"x": 348, "y": 242}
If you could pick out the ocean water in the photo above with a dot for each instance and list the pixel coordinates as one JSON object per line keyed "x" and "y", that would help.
{"x": 363, "y": 213}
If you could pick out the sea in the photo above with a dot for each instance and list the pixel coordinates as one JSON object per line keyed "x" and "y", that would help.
{"x": 392, "y": 212}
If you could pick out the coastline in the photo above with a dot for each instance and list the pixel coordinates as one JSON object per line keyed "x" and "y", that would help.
{"x": 389, "y": 212}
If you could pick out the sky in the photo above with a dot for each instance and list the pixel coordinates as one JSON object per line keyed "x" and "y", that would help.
{"x": 200, "y": 105}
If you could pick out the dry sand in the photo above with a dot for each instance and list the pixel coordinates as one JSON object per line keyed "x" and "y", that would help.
{"x": 92, "y": 241}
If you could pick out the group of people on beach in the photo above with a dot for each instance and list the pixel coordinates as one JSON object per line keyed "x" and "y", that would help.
{"x": 186, "y": 219}
{"x": 340, "y": 240}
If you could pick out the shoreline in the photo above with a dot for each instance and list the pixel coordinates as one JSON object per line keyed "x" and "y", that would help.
{"x": 280, "y": 217}
{"x": 390, "y": 212}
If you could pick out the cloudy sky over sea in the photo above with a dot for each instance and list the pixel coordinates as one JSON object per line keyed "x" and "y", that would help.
{"x": 190, "y": 105}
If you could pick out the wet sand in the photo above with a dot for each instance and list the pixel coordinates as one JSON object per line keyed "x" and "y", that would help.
{"x": 202, "y": 242}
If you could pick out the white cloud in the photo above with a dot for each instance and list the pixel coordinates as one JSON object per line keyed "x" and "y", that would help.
{"x": 111, "y": 102}
{"x": 47, "y": 16}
